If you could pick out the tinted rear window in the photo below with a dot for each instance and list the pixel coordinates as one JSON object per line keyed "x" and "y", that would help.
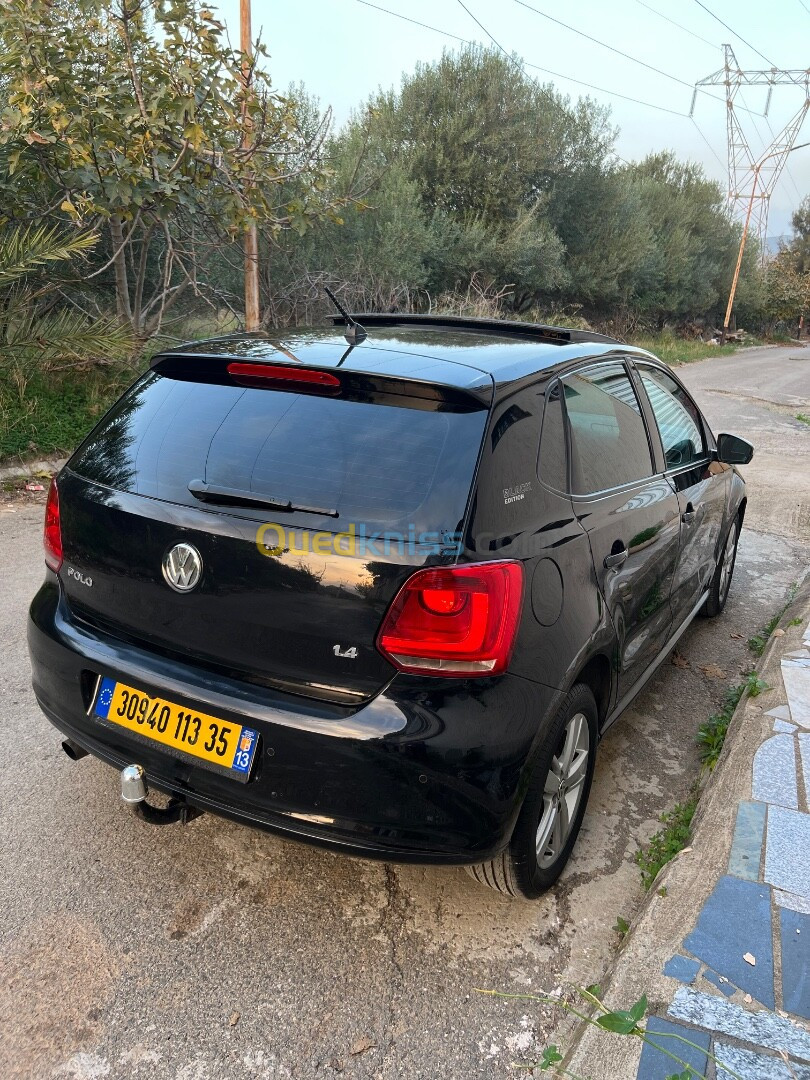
{"x": 386, "y": 465}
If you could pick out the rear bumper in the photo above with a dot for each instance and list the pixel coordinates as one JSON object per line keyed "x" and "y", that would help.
{"x": 428, "y": 771}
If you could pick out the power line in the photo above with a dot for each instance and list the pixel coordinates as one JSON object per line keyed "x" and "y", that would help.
{"x": 415, "y": 22}
{"x": 770, "y": 63}
{"x": 618, "y": 52}
{"x": 492, "y": 39}
{"x": 481, "y": 26}
{"x": 787, "y": 168}
{"x": 806, "y": 8}
{"x": 535, "y": 67}
{"x": 716, "y": 155}
{"x": 604, "y": 44}
{"x": 685, "y": 29}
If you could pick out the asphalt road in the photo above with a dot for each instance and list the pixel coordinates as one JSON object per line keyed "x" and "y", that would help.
{"x": 212, "y": 951}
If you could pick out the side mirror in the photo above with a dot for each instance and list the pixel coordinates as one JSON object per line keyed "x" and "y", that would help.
{"x": 733, "y": 450}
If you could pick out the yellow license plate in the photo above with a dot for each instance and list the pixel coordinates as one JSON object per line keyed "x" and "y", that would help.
{"x": 218, "y": 742}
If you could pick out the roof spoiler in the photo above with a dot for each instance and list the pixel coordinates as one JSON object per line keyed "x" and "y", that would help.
{"x": 559, "y": 335}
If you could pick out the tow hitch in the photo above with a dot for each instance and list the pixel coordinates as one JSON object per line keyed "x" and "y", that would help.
{"x": 134, "y": 790}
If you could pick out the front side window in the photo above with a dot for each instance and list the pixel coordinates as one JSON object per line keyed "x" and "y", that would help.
{"x": 608, "y": 437}
{"x": 677, "y": 417}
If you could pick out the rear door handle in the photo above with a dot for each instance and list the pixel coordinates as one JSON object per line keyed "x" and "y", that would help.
{"x": 689, "y": 515}
{"x": 616, "y": 558}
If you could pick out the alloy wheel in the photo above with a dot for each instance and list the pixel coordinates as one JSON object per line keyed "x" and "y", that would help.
{"x": 563, "y": 790}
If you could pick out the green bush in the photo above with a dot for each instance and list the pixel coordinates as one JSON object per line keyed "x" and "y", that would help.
{"x": 56, "y": 412}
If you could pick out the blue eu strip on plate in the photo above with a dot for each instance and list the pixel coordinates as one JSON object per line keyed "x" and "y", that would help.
{"x": 104, "y": 697}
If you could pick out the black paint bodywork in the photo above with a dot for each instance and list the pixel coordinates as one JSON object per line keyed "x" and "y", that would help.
{"x": 378, "y": 762}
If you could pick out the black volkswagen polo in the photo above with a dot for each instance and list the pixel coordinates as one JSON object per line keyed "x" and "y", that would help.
{"x": 385, "y": 592}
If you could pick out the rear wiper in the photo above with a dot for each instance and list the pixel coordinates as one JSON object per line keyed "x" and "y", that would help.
{"x": 226, "y": 496}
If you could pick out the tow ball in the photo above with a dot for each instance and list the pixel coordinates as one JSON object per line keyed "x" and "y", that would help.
{"x": 134, "y": 790}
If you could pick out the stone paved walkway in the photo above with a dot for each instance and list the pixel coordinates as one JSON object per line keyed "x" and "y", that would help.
{"x": 751, "y": 940}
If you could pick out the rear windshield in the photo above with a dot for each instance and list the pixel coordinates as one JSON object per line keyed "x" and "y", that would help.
{"x": 388, "y": 466}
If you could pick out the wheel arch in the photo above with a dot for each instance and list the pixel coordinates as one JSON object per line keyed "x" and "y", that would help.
{"x": 597, "y": 675}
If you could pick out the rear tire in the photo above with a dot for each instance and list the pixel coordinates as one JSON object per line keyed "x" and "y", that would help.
{"x": 554, "y": 806}
{"x": 721, "y": 582}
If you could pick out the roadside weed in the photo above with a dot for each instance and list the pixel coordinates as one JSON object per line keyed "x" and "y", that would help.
{"x": 758, "y": 642}
{"x": 667, "y": 842}
{"x": 754, "y": 685}
{"x": 628, "y": 1022}
{"x": 803, "y": 417}
{"x": 712, "y": 734}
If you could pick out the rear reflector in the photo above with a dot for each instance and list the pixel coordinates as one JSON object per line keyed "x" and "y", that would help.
{"x": 52, "y": 537}
{"x": 283, "y": 373}
{"x": 459, "y": 621}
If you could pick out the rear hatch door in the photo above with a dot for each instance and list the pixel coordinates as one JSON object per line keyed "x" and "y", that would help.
{"x": 308, "y": 505}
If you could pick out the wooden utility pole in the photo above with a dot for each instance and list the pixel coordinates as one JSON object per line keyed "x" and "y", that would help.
{"x": 251, "y": 240}
{"x": 743, "y": 238}
{"x": 754, "y": 185}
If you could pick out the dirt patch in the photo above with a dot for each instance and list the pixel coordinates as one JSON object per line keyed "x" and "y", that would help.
{"x": 55, "y": 981}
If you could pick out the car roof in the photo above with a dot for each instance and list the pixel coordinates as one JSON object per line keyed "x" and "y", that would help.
{"x": 467, "y": 354}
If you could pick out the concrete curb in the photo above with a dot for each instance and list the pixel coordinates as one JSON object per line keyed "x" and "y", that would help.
{"x": 26, "y": 469}
{"x": 663, "y": 922}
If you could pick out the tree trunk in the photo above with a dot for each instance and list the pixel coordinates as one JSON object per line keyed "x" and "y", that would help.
{"x": 120, "y": 263}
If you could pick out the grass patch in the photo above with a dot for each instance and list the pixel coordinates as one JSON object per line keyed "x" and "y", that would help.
{"x": 56, "y": 411}
{"x": 666, "y": 843}
{"x": 803, "y": 417}
{"x": 673, "y": 350}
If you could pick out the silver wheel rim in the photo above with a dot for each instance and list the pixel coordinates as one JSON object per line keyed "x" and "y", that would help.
{"x": 563, "y": 790}
{"x": 728, "y": 561}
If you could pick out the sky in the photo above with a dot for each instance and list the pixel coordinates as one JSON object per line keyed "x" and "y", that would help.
{"x": 344, "y": 50}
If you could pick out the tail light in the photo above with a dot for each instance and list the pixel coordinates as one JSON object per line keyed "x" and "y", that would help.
{"x": 52, "y": 537}
{"x": 459, "y": 620}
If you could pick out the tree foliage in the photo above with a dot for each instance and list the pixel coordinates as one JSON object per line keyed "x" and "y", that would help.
{"x": 468, "y": 185}
{"x": 800, "y": 245}
{"x": 473, "y": 171}
{"x": 137, "y": 116}
{"x": 787, "y": 289}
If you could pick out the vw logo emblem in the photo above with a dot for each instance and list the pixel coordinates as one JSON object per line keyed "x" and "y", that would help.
{"x": 182, "y": 567}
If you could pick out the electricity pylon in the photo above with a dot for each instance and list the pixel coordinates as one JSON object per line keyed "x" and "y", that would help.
{"x": 751, "y": 179}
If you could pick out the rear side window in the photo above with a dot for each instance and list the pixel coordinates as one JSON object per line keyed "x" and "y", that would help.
{"x": 609, "y": 444}
{"x": 677, "y": 417}
{"x": 387, "y": 466}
